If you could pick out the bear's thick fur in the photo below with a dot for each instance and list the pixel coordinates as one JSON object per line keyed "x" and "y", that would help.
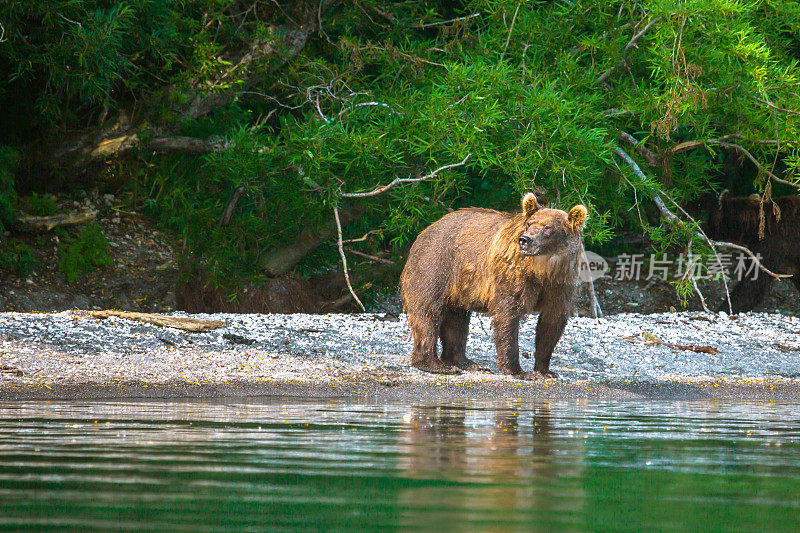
{"x": 504, "y": 265}
{"x": 774, "y": 237}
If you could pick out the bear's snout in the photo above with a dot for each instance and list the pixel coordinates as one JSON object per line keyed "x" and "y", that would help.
{"x": 528, "y": 246}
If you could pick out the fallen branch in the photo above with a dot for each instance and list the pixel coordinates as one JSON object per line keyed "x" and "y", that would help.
{"x": 186, "y": 324}
{"x": 623, "y": 60}
{"x": 189, "y": 145}
{"x": 31, "y": 223}
{"x": 117, "y": 146}
{"x": 652, "y": 340}
{"x": 362, "y": 238}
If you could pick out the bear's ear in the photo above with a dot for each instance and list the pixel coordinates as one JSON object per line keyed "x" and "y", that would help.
{"x": 529, "y": 204}
{"x": 577, "y": 217}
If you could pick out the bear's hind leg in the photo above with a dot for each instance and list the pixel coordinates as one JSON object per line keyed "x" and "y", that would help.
{"x": 506, "y": 341}
{"x": 424, "y": 331}
{"x": 453, "y": 332}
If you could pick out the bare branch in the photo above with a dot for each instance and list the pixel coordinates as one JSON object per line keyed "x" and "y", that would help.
{"x": 631, "y": 44}
{"x": 397, "y": 181}
{"x": 672, "y": 218}
{"x": 595, "y": 311}
{"x": 713, "y": 249}
{"x": 723, "y": 142}
{"x": 510, "y": 31}
{"x": 443, "y": 22}
{"x": 758, "y": 165}
{"x": 367, "y": 104}
{"x": 344, "y": 259}
{"x": 362, "y": 238}
{"x": 688, "y": 274}
{"x": 230, "y": 207}
{"x": 652, "y": 159}
{"x": 773, "y": 106}
{"x": 371, "y": 257}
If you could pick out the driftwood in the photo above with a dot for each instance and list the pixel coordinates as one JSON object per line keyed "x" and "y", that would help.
{"x": 648, "y": 339}
{"x": 31, "y": 223}
{"x": 186, "y": 324}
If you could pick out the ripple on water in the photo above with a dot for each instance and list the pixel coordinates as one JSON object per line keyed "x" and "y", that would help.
{"x": 506, "y": 465}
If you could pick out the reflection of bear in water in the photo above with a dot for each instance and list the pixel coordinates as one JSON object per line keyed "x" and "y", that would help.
{"x": 738, "y": 220}
{"x": 496, "y": 263}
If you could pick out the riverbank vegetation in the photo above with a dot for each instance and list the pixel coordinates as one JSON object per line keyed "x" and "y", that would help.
{"x": 282, "y": 137}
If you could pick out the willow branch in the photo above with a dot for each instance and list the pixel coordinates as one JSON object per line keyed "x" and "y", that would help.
{"x": 673, "y": 219}
{"x": 631, "y": 44}
{"x": 778, "y": 108}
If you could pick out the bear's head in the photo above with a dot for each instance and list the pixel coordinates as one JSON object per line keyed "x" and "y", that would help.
{"x": 549, "y": 231}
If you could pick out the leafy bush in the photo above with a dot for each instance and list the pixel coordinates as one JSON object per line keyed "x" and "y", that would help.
{"x": 17, "y": 257}
{"x": 39, "y": 205}
{"x": 84, "y": 253}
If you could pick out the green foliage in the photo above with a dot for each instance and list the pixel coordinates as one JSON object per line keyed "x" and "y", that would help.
{"x": 536, "y": 93}
{"x": 17, "y": 257}
{"x": 68, "y": 60}
{"x": 8, "y": 196}
{"x": 39, "y": 205}
{"x": 84, "y": 253}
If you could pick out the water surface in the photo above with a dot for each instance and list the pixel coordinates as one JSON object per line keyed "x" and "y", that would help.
{"x": 233, "y": 466}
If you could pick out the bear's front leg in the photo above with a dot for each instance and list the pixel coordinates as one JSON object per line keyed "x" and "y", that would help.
{"x": 548, "y": 331}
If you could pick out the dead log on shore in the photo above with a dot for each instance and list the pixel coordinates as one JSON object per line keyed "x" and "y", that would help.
{"x": 186, "y": 324}
{"x": 31, "y": 223}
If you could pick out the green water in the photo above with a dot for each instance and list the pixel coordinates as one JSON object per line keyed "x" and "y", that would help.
{"x": 568, "y": 466}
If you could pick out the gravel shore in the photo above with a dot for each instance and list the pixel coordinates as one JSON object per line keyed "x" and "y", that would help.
{"x": 73, "y": 355}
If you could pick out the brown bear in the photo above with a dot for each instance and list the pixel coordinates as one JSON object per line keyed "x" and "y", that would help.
{"x": 739, "y": 220}
{"x": 505, "y": 265}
